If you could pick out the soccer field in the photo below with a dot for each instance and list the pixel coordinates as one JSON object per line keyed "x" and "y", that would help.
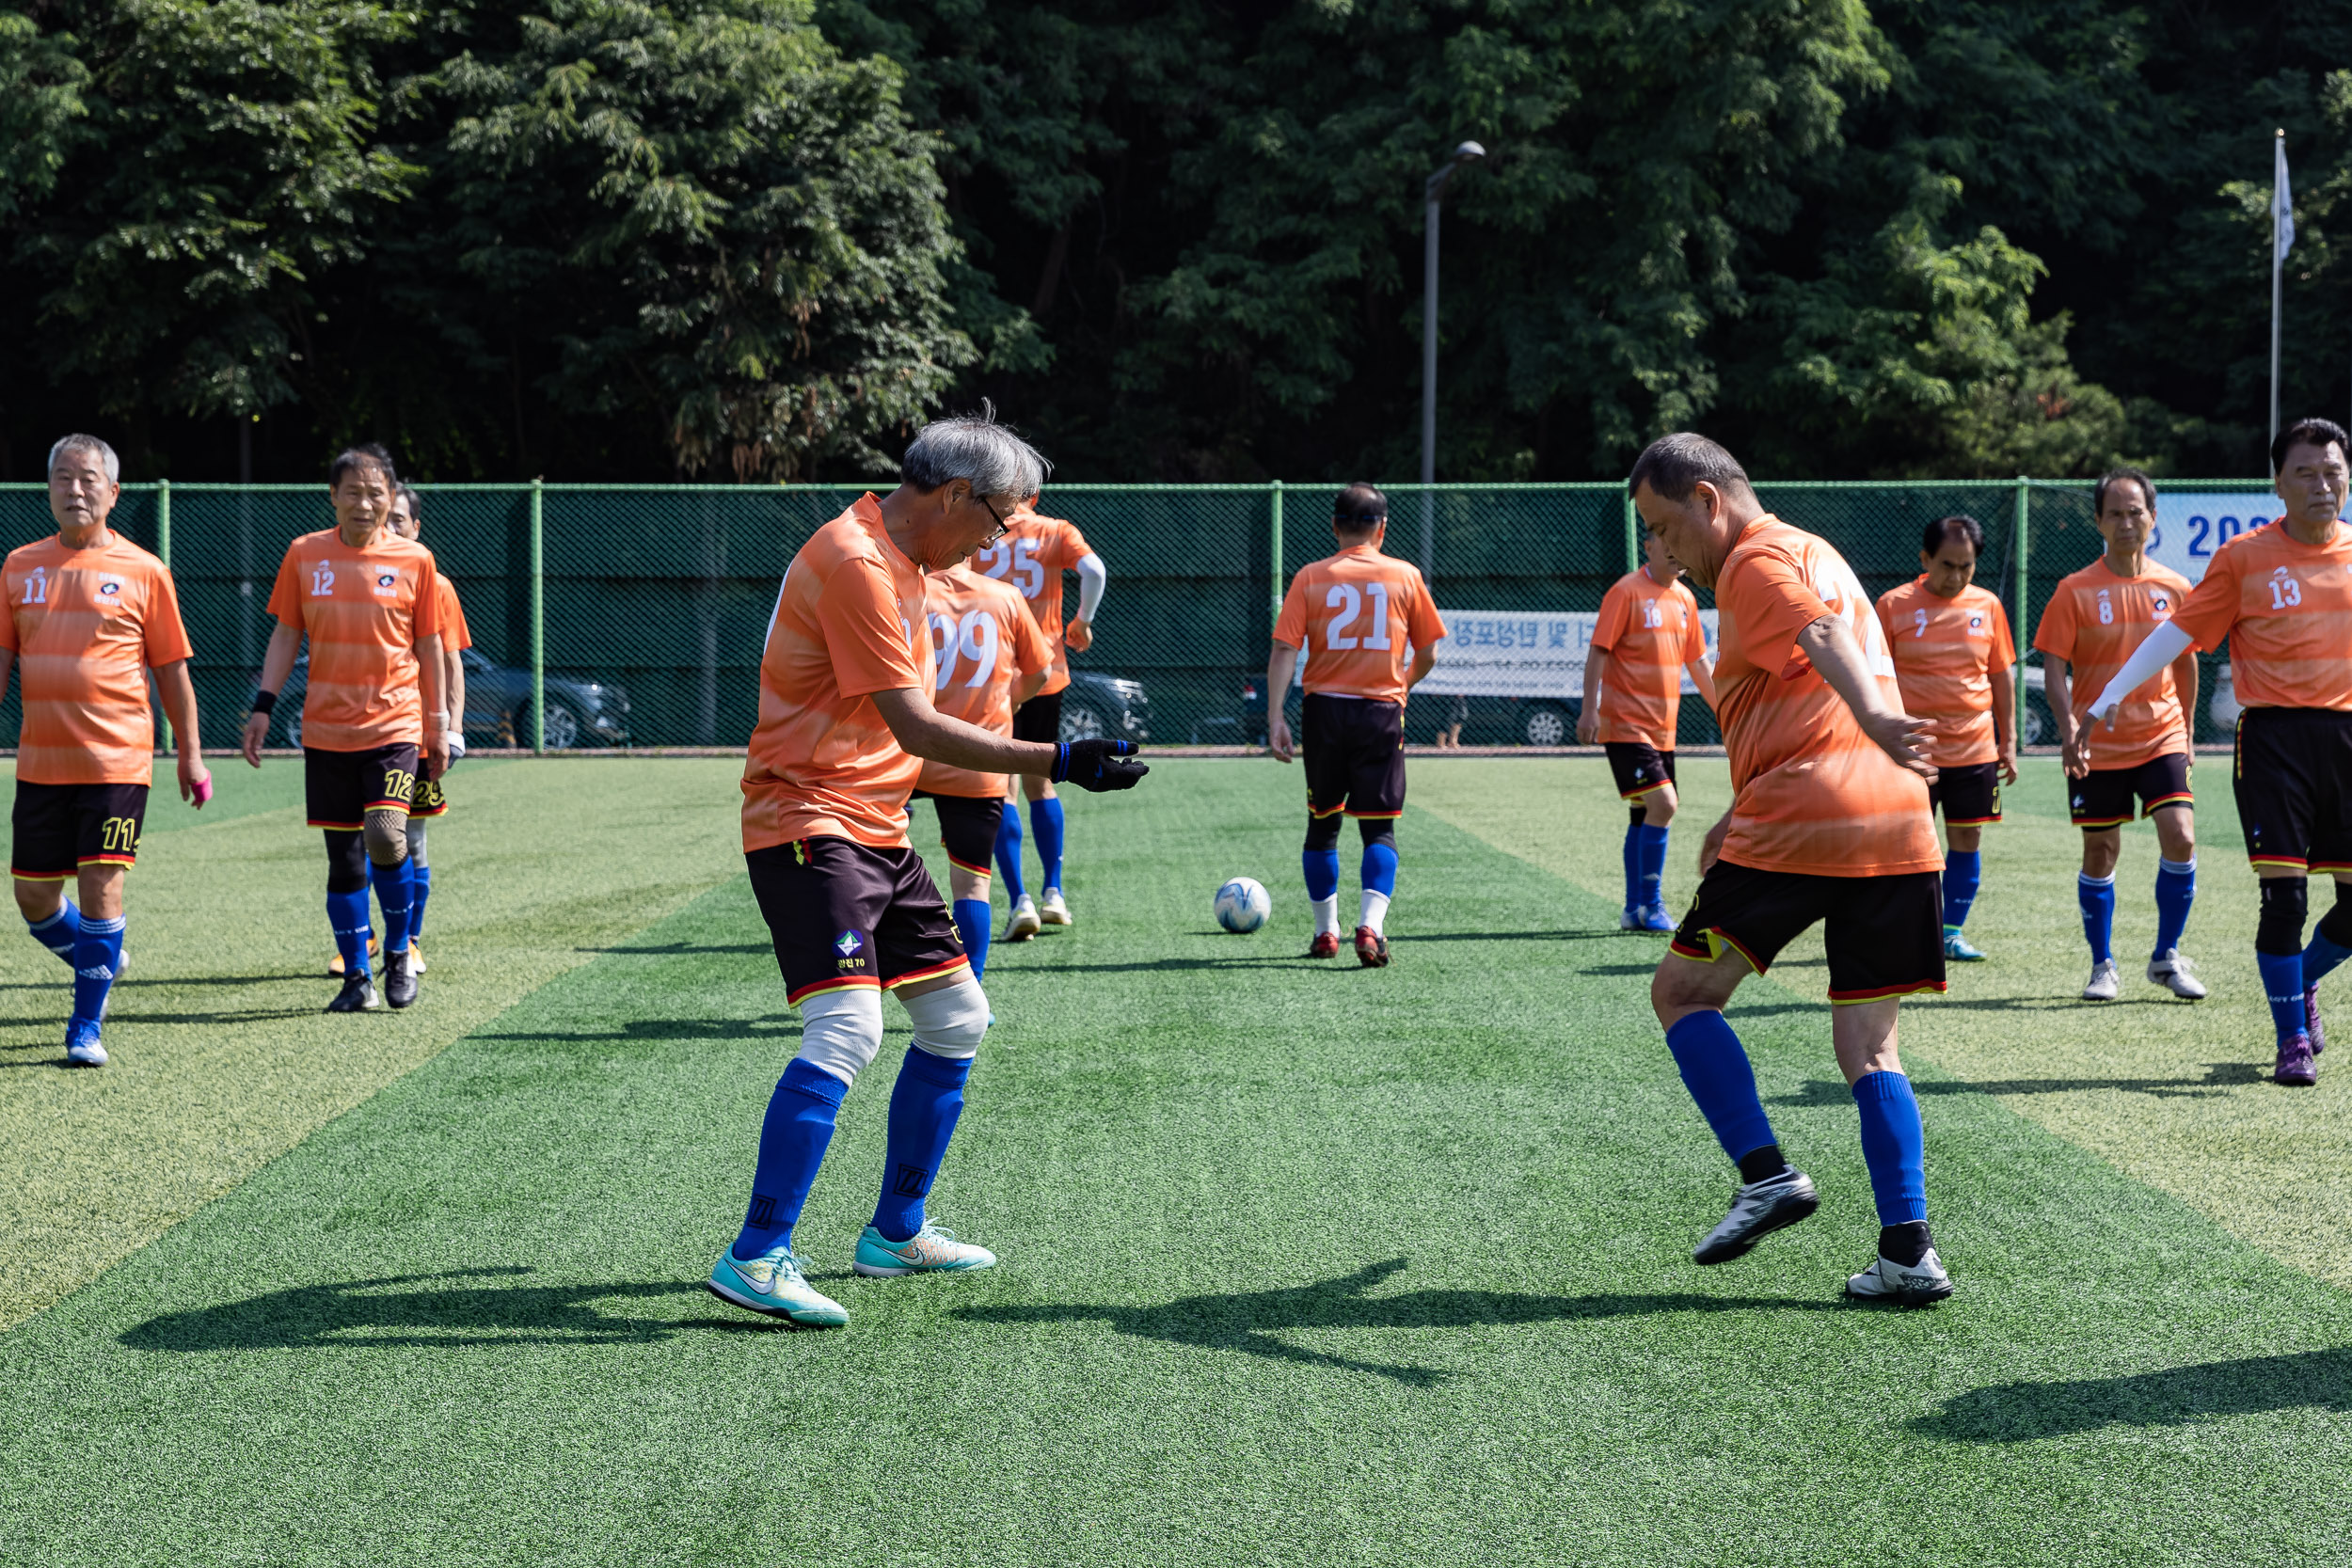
{"x": 1302, "y": 1263}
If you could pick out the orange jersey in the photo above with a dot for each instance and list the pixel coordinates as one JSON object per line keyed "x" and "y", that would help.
{"x": 1032, "y": 556}
{"x": 1947, "y": 654}
{"x": 455, "y": 637}
{"x": 1357, "y": 613}
{"x": 2095, "y": 620}
{"x": 984, "y": 641}
{"x": 1649, "y": 633}
{"x": 85, "y": 626}
{"x": 363, "y": 610}
{"x": 823, "y": 765}
{"x": 2286, "y": 609}
{"x": 1814, "y": 794}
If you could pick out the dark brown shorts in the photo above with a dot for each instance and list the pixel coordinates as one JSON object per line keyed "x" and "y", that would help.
{"x": 341, "y": 787}
{"x": 1967, "y": 795}
{"x": 1884, "y": 934}
{"x": 1354, "y": 748}
{"x": 2293, "y": 777}
{"x": 2103, "y": 797}
{"x": 62, "y": 827}
{"x": 967, "y": 826}
{"x": 1637, "y": 767}
{"x": 843, "y": 915}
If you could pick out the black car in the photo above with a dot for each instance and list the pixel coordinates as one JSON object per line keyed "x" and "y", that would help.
{"x": 1097, "y": 707}
{"x": 498, "y": 708}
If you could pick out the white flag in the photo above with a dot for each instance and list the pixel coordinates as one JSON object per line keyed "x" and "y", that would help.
{"x": 2282, "y": 208}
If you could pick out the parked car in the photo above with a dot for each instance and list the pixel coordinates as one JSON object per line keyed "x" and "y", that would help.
{"x": 1095, "y": 706}
{"x": 498, "y": 708}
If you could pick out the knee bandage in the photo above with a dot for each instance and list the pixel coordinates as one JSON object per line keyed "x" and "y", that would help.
{"x": 1323, "y": 832}
{"x": 841, "y": 1030}
{"x": 416, "y": 840}
{"x": 950, "y": 1020}
{"x": 346, "y": 862}
{"x": 2278, "y": 931}
{"x": 386, "y": 833}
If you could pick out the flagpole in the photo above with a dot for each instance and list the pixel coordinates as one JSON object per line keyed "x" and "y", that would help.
{"x": 2278, "y": 267}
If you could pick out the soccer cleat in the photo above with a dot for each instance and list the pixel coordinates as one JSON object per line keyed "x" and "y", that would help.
{"x": 1326, "y": 945}
{"x": 358, "y": 995}
{"x": 416, "y": 955}
{"x": 1628, "y": 919}
{"x": 2296, "y": 1064}
{"x": 2104, "y": 981}
{"x": 2311, "y": 1026}
{"x": 929, "y": 1250}
{"x": 1371, "y": 948}
{"x": 1757, "y": 1210}
{"x": 82, "y": 1048}
{"x": 400, "y": 980}
{"x": 1023, "y": 924}
{"x": 2171, "y": 971}
{"x": 334, "y": 964}
{"x": 1920, "y": 1284}
{"x": 773, "y": 1285}
{"x": 1958, "y": 949}
{"x": 1652, "y": 917}
{"x": 1054, "y": 911}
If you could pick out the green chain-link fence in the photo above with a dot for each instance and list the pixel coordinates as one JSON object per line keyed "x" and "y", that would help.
{"x": 634, "y": 615}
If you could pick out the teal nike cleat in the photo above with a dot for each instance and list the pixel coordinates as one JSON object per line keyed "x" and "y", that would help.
{"x": 772, "y": 1284}
{"x": 1956, "y": 949}
{"x": 929, "y": 1250}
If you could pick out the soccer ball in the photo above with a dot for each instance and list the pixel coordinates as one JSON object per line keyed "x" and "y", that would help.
{"x": 1243, "y": 905}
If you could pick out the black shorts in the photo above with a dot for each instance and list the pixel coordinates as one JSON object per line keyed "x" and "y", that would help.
{"x": 2293, "y": 777}
{"x": 62, "y": 827}
{"x": 1354, "y": 748}
{"x": 843, "y": 915}
{"x": 2103, "y": 797}
{"x": 1884, "y": 934}
{"x": 1639, "y": 768}
{"x": 429, "y": 801}
{"x": 341, "y": 787}
{"x": 967, "y": 826}
{"x": 1968, "y": 794}
{"x": 1039, "y": 719}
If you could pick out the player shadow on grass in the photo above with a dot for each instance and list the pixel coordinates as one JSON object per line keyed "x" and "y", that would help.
{"x": 675, "y": 949}
{"x": 2220, "y": 1076}
{"x": 443, "y": 1312}
{"x": 1248, "y": 1321}
{"x": 2021, "y": 1411}
{"x": 649, "y": 1030}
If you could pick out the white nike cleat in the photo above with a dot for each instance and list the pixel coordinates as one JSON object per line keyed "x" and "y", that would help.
{"x": 1052, "y": 910}
{"x": 2104, "y": 982}
{"x": 1920, "y": 1284}
{"x": 82, "y": 1048}
{"x": 1023, "y": 924}
{"x": 2172, "y": 972}
{"x": 1757, "y": 1210}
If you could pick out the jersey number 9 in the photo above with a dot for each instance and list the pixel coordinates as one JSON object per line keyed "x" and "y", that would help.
{"x": 974, "y": 638}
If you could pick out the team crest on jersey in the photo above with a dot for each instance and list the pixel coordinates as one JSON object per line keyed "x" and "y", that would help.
{"x": 1975, "y": 625}
{"x": 110, "y": 589}
{"x": 387, "y": 583}
{"x": 2162, "y": 603}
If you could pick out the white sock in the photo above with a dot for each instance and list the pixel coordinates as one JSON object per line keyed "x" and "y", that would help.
{"x": 1327, "y": 915}
{"x": 1376, "y": 908}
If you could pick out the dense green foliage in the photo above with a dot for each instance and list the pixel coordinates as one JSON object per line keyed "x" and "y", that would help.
{"x": 611, "y": 238}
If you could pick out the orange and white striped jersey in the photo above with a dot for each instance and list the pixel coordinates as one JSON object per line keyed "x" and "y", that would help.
{"x": 983, "y": 642}
{"x": 2286, "y": 609}
{"x": 823, "y": 764}
{"x": 1814, "y": 794}
{"x": 2095, "y": 620}
{"x": 85, "y": 626}
{"x": 1358, "y": 614}
{"x": 1649, "y": 631}
{"x": 455, "y": 637}
{"x": 1947, "y": 654}
{"x": 1032, "y": 556}
{"x": 363, "y": 610}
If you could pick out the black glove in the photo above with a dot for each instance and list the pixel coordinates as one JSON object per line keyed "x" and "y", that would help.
{"x": 1097, "y": 764}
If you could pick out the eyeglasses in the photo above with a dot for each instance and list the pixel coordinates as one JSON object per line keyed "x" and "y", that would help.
{"x": 1003, "y": 526}
{"x": 1367, "y": 517}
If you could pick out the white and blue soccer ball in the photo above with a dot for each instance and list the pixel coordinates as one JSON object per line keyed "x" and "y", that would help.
{"x": 1243, "y": 905}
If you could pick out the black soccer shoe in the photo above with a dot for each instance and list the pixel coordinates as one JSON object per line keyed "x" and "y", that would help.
{"x": 400, "y": 978}
{"x": 358, "y": 995}
{"x": 1757, "y": 1210}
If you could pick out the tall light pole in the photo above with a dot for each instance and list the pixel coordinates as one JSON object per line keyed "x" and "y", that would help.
{"x": 1434, "y": 190}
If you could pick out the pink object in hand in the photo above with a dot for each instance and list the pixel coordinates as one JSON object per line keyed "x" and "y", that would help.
{"x": 203, "y": 789}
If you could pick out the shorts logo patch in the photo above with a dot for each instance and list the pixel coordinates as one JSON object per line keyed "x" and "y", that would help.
{"x": 847, "y": 944}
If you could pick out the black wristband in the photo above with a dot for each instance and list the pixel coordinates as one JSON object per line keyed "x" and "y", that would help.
{"x": 264, "y": 700}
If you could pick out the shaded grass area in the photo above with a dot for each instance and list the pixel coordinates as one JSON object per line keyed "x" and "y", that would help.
{"x": 1302, "y": 1264}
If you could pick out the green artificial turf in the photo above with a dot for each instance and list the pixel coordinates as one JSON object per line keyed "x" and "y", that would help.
{"x": 1302, "y": 1264}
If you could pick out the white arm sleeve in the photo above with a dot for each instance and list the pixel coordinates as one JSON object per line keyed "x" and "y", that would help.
{"x": 1092, "y": 575}
{"x": 2165, "y": 645}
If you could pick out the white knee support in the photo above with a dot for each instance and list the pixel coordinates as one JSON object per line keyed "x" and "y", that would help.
{"x": 841, "y": 1030}
{"x": 416, "y": 840}
{"x": 950, "y": 1020}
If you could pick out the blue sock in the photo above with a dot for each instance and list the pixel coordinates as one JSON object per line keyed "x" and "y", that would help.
{"x": 60, "y": 931}
{"x": 2282, "y": 987}
{"x": 419, "y": 889}
{"x": 1715, "y": 1070}
{"x": 2097, "y": 896}
{"x": 1379, "y": 871}
{"x": 2321, "y": 956}
{"x": 347, "y": 913}
{"x": 1892, "y": 1146}
{"x": 1963, "y": 869}
{"x": 1653, "y": 864}
{"x": 924, "y": 1106}
{"x": 792, "y": 1143}
{"x": 1633, "y": 866}
{"x": 2176, "y": 890}
{"x": 1009, "y": 852}
{"x": 972, "y": 926}
{"x": 1045, "y": 821}
{"x": 1322, "y": 867}
{"x": 97, "y": 952}
{"x": 393, "y": 889}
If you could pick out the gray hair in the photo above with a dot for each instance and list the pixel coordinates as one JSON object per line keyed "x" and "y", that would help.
{"x": 1674, "y": 466}
{"x": 106, "y": 457}
{"x": 975, "y": 447}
